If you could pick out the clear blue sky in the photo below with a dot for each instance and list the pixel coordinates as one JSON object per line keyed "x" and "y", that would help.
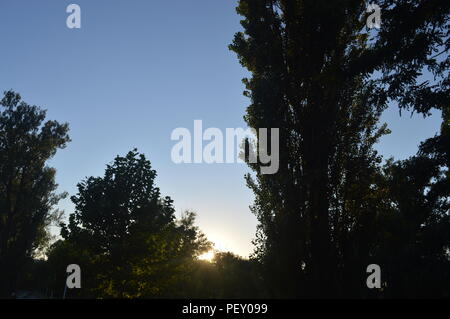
{"x": 136, "y": 70}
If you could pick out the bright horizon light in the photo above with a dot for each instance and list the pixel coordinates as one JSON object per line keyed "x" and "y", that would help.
{"x": 208, "y": 256}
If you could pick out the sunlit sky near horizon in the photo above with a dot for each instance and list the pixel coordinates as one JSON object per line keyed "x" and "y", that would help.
{"x": 135, "y": 71}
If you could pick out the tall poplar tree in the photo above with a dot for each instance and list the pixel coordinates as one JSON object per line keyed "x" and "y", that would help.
{"x": 323, "y": 78}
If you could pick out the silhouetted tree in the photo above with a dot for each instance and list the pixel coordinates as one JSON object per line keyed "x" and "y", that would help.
{"x": 414, "y": 249}
{"x": 125, "y": 237}
{"x": 27, "y": 185}
{"x": 323, "y": 79}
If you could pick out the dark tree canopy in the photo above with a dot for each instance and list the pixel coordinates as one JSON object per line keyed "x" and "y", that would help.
{"x": 27, "y": 185}
{"x": 323, "y": 79}
{"x": 107, "y": 207}
{"x": 126, "y": 237}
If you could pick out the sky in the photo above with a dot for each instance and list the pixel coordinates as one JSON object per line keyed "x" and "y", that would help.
{"x": 134, "y": 72}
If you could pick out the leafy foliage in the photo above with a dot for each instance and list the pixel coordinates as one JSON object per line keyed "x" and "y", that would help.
{"x": 324, "y": 80}
{"x": 125, "y": 235}
{"x": 27, "y": 185}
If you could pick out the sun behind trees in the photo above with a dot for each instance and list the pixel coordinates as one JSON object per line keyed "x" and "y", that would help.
{"x": 125, "y": 237}
{"x": 128, "y": 243}
{"x": 334, "y": 206}
{"x": 123, "y": 234}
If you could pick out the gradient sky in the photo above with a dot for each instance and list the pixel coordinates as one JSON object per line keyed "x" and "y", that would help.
{"x": 136, "y": 70}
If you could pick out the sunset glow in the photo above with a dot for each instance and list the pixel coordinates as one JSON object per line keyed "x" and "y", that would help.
{"x": 208, "y": 256}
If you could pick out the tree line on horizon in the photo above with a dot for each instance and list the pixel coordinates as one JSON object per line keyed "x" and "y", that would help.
{"x": 334, "y": 207}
